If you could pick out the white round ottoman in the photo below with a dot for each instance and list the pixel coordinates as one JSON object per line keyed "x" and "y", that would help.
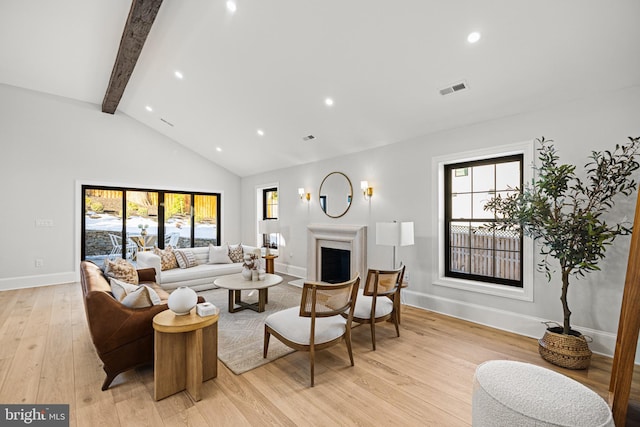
{"x": 509, "y": 394}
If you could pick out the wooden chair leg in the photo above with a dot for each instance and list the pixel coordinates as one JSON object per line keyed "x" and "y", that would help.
{"x": 267, "y": 335}
{"x": 311, "y": 363}
{"x": 396, "y": 321}
{"x": 347, "y": 340}
{"x": 373, "y": 334}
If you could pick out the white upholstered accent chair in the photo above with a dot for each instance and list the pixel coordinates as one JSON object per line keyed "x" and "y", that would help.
{"x": 318, "y": 322}
{"x": 379, "y": 300}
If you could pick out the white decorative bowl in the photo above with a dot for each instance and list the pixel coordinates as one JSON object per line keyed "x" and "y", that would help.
{"x": 182, "y": 300}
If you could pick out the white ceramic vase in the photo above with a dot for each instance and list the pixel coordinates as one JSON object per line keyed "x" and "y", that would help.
{"x": 182, "y": 300}
{"x": 246, "y": 273}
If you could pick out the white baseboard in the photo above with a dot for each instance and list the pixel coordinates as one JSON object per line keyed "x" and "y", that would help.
{"x": 291, "y": 270}
{"x": 299, "y": 283}
{"x": 604, "y": 343}
{"x": 36, "y": 281}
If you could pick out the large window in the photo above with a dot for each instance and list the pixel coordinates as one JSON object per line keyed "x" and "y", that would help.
{"x": 472, "y": 250}
{"x": 270, "y": 212}
{"x": 119, "y": 222}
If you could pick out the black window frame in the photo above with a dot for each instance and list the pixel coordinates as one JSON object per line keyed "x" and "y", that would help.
{"x": 266, "y": 240}
{"x": 161, "y": 228}
{"x": 448, "y": 199}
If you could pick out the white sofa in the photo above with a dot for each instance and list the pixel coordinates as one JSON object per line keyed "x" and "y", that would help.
{"x": 198, "y": 278}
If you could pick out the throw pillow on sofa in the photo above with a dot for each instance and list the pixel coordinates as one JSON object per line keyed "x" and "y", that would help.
{"x": 167, "y": 258}
{"x": 235, "y": 253}
{"x": 122, "y": 270}
{"x": 185, "y": 257}
{"x": 134, "y": 296}
{"x": 219, "y": 254}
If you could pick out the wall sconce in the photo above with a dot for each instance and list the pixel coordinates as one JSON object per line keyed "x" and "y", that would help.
{"x": 303, "y": 194}
{"x": 367, "y": 191}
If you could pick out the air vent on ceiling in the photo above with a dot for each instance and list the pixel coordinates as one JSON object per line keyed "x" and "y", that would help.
{"x": 169, "y": 123}
{"x": 308, "y": 138}
{"x": 457, "y": 87}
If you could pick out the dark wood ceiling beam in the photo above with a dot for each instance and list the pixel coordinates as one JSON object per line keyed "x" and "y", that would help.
{"x": 139, "y": 22}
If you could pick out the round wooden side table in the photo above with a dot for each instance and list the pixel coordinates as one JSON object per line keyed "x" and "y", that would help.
{"x": 269, "y": 264}
{"x": 185, "y": 354}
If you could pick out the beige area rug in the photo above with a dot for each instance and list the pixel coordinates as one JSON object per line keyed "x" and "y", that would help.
{"x": 241, "y": 334}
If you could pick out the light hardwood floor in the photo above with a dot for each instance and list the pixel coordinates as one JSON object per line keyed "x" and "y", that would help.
{"x": 423, "y": 378}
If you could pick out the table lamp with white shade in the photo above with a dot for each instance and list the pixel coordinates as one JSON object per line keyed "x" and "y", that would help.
{"x": 268, "y": 226}
{"x": 394, "y": 234}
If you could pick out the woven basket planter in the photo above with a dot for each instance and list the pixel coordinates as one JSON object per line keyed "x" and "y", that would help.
{"x": 569, "y": 351}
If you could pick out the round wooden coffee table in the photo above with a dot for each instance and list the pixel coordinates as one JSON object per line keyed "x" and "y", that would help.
{"x": 235, "y": 283}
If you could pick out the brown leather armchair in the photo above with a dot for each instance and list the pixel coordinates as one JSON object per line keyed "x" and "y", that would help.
{"x": 122, "y": 336}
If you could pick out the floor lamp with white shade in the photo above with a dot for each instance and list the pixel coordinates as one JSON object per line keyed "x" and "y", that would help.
{"x": 394, "y": 234}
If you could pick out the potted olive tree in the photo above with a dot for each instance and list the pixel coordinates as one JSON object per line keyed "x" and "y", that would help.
{"x": 565, "y": 214}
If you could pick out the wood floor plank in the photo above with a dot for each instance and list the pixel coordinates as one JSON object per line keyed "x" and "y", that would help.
{"x": 189, "y": 417}
{"x": 57, "y": 378}
{"x": 423, "y": 377}
{"x": 291, "y": 394}
{"x": 99, "y": 413}
{"x": 12, "y": 329}
{"x": 138, "y": 410}
{"x": 23, "y": 379}
{"x": 216, "y": 407}
{"x": 254, "y": 406}
{"x": 40, "y": 317}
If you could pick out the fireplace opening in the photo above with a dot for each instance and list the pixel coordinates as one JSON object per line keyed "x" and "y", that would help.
{"x": 336, "y": 265}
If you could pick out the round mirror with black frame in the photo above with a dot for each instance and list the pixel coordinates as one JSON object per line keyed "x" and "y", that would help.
{"x": 336, "y": 194}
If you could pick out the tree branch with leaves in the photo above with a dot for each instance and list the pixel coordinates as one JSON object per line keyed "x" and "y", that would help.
{"x": 566, "y": 214}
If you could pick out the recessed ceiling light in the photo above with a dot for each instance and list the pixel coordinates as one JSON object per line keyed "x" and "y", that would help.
{"x": 148, "y": 108}
{"x": 473, "y": 37}
{"x": 178, "y": 75}
{"x": 260, "y": 132}
{"x": 231, "y": 6}
{"x": 328, "y": 102}
{"x": 218, "y": 149}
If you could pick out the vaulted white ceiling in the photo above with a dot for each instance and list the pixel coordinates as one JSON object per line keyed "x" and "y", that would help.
{"x": 271, "y": 65}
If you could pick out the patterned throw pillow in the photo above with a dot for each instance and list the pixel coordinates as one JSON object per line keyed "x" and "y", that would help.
{"x": 235, "y": 253}
{"x": 167, "y": 258}
{"x": 122, "y": 270}
{"x": 185, "y": 257}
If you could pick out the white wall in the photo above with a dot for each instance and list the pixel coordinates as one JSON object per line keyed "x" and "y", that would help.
{"x": 402, "y": 179}
{"x": 50, "y": 145}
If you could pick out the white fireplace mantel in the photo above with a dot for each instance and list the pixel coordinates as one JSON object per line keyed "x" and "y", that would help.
{"x": 351, "y": 237}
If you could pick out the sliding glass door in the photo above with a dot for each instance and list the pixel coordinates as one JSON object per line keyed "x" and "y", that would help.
{"x": 141, "y": 221}
{"x": 120, "y": 222}
{"x": 102, "y": 225}
{"x": 177, "y": 220}
{"x": 205, "y": 217}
